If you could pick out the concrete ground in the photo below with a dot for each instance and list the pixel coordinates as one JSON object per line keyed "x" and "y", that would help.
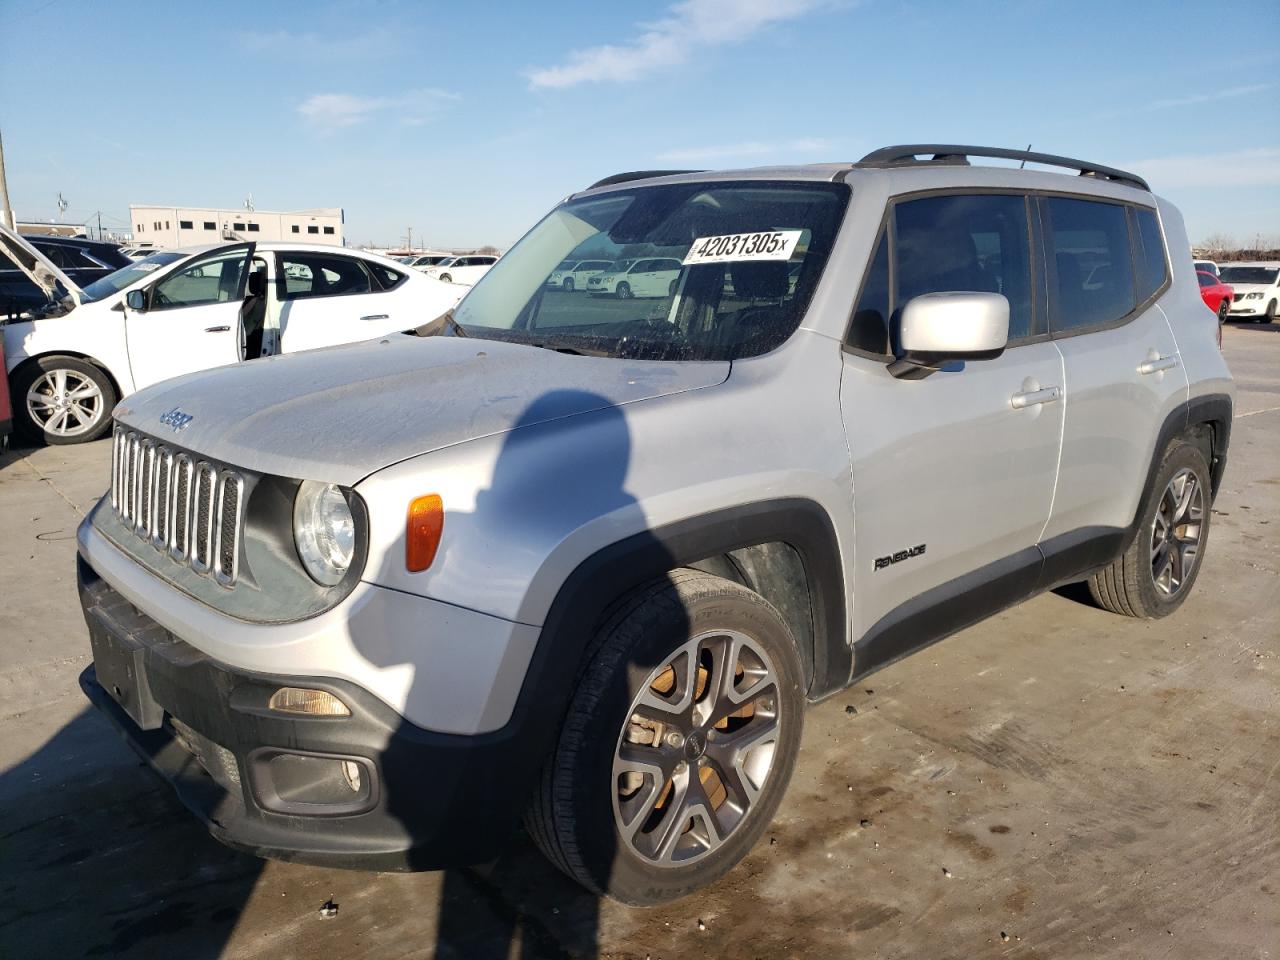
{"x": 1055, "y": 782}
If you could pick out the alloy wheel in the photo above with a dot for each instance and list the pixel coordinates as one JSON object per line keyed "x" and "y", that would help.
{"x": 65, "y": 403}
{"x": 1175, "y": 533}
{"x": 697, "y": 748}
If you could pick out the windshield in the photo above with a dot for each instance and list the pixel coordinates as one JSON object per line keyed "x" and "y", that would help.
{"x": 1249, "y": 274}
{"x": 127, "y": 276}
{"x": 710, "y": 277}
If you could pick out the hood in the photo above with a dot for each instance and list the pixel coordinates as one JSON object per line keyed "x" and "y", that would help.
{"x": 38, "y": 268}
{"x": 1247, "y": 287}
{"x": 340, "y": 413}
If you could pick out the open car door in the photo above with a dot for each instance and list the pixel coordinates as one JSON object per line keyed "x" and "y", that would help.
{"x": 38, "y": 268}
{"x": 189, "y": 319}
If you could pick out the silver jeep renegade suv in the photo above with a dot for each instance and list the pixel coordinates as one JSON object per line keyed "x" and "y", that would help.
{"x": 585, "y": 561}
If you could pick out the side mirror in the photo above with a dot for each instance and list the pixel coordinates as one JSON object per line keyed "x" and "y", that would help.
{"x": 936, "y": 328}
{"x": 136, "y": 301}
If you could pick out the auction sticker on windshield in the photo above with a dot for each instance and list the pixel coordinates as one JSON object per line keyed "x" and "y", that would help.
{"x": 769, "y": 245}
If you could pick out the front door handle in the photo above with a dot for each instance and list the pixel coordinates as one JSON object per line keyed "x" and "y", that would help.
{"x": 1030, "y": 398}
{"x": 216, "y": 329}
{"x": 1157, "y": 364}
{"x": 377, "y": 316}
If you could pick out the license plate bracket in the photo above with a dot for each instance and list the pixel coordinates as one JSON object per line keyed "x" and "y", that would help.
{"x": 120, "y": 664}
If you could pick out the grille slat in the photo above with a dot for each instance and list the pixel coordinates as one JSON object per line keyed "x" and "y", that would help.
{"x": 194, "y": 511}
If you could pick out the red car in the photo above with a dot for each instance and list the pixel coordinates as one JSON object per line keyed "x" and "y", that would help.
{"x": 1217, "y": 295}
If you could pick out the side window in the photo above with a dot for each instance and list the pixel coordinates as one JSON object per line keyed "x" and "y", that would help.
{"x": 317, "y": 275}
{"x": 1087, "y": 246}
{"x": 216, "y": 279}
{"x": 1152, "y": 266}
{"x": 1206, "y": 279}
{"x": 387, "y": 278}
{"x": 869, "y": 332}
{"x": 974, "y": 242}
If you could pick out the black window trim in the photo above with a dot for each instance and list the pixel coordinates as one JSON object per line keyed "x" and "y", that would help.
{"x": 1040, "y": 266}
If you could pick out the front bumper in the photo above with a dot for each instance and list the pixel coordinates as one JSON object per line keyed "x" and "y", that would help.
{"x": 425, "y": 800}
{"x": 1248, "y": 308}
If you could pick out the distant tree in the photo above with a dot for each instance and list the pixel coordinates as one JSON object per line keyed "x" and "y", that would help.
{"x": 1216, "y": 244}
{"x": 487, "y": 250}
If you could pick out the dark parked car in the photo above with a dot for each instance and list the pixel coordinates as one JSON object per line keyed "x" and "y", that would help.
{"x": 84, "y": 261}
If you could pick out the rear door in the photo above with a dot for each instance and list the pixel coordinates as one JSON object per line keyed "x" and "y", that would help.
{"x": 191, "y": 319}
{"x": 953, "y": 474}
{"x": 1122, "y": 368}
{"x": 332, "y": 298}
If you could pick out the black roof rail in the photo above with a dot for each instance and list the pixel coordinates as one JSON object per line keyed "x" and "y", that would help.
{"x": 909, "y": 154}
{"x": 637, "y": 175}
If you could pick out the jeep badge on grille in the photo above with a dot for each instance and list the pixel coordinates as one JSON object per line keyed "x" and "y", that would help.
{"x": 177, "y": 419}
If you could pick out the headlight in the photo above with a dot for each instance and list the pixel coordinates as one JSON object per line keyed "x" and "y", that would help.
{"x": 1253, "y": 296}
{"x": 324, "y": 531}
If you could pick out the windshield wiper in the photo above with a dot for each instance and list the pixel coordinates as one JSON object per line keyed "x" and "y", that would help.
{"x": 433, "y": 328}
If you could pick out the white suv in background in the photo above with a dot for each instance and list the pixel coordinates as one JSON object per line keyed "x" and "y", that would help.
{"x": 1257, "y": 287}
{"x": 645, "y": 277}
{"x": 574, "y": 274}
{"x": 465, "y": 269}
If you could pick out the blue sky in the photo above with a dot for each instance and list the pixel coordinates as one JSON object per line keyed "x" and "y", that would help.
{"x": 467, "y": 121}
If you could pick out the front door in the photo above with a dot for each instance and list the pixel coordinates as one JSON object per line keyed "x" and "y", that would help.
{"x": 953, "y": 474}
{"x": 191, "y": 319}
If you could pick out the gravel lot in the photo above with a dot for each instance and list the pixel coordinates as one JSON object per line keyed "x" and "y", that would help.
{"x": 1055, "y": 782}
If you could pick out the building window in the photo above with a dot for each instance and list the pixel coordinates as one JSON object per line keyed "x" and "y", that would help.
{"x": 185, "y": 225}
{"x": 140, "y": 228}
{"x": 253, "y": 228}
{"x": 210, "y": 225}
{"x": 295, "y": 229}
{"x": 313, "y": 229}
{"x": 166, "y": 224}
{"x": 237, "y": 226}
{"x": 157, "y": 224}
{"x": 328, "y": 231}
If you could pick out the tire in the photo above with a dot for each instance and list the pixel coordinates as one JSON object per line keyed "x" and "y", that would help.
{"x": 447, "y": 277}
{"x": 623, "y": 291}
{"x": 1135, "y": 585}
{"x": 568, "y": 284}
{"x": 577, "y": 815}
{"x": 1223, "y": 309}
{"x": 1271, "y": 313}
{"x": 58, "y": 421}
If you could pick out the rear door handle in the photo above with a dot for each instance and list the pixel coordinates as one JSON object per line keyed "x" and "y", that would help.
{"x": 1032, "y": 397}
{"x": 1156, "y": 365}
{"x": 377, "y": 316}
{"x": 216, "y": 329}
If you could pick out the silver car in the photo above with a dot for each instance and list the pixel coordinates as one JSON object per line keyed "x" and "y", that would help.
{"x": 585, "y": 562}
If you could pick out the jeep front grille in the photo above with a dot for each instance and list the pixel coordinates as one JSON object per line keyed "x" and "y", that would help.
{"x": 190, "y": 509}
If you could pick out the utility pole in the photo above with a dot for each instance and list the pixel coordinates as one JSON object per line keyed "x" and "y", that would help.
{"x": 410, "y": 238}
{"x": 99, "y": 225}
{"x": 6, "y": 211}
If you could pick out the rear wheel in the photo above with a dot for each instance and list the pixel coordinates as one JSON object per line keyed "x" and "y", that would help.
{"x": 679, "y": 741}
{"x": 62, "y": 400}
{"x": 1156, "y": 573}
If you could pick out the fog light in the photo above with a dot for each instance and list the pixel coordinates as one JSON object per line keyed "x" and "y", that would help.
{"x": 351, "y": 773}
{"x": 311, "y": 703}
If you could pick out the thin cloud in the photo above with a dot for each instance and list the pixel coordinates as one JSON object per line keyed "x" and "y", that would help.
{"x": 1256, "y": 167}
{"x": 328, "y": 112}
{"x": 690, "y": 25}
{"x": 753, "y": 148}
{"x": 1210, "y": 97}
{"x": 338, "y": 49}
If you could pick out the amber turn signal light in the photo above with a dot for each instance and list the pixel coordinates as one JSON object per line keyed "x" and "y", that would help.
{"x": 422, "y": 532}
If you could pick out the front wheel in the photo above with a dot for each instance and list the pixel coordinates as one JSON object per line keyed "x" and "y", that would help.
{"x": 679, "y": 741}
{"x": 568, "y": 284}
{"x": 1223, "y": 309}
{"x": 447, "y": 277}
{"x": 1271, "y": 313}
{"x": 623, "y": 291}
{"x": 1153, "y": 577}
{"x": 62, "y": 400}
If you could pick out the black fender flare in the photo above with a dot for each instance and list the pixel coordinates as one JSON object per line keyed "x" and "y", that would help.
{"x": 611, "y": 572}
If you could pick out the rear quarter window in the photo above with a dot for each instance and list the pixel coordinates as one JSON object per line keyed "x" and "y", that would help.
{"x": 1153, "y": 268}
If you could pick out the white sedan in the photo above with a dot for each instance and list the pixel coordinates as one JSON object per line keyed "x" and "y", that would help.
{"x": 180, "y": 311}
{"x": 466, "y": 269}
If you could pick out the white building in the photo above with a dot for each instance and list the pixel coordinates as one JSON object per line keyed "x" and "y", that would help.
{"x": 172, "y": 227}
